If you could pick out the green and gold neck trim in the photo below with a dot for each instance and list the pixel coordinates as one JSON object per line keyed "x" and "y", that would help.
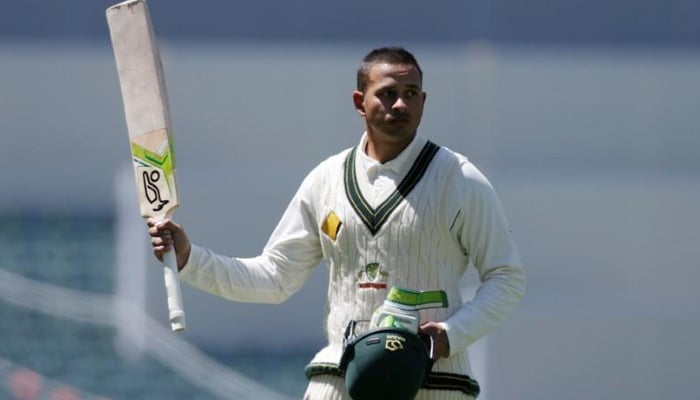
{"x": 374, "y": 218}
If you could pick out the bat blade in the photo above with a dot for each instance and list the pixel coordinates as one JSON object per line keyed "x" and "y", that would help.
{"x": 147, "y": 113}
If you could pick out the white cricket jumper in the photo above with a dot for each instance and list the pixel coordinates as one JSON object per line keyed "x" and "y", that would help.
{"x": 431, "y": 213}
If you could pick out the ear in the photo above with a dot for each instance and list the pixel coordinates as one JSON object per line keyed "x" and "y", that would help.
{"x": 358, "y": 99}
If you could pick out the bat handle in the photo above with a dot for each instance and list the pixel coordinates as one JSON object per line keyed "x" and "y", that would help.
{"x": 172, "y": 287}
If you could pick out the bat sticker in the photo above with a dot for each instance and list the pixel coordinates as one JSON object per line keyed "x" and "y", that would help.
{"x": 154, "y": 190}
{"x": 151, "y": 190}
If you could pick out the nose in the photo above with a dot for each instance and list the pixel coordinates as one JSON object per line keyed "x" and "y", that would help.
{"x": 399, "y": 104}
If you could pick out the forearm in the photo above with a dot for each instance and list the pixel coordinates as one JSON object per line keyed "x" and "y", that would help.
{"x": 259, "y": 280}
{"x": 497, "y": 297}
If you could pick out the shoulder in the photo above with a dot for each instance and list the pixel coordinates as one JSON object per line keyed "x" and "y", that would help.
{"x": 469, "y": 193}
{"x": 332, "y": 163}
{"x": 335, "y": 160}
{"x": 458, "y": 169}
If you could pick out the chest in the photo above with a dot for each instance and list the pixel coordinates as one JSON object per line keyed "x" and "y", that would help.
{"x": 379, "y": 238}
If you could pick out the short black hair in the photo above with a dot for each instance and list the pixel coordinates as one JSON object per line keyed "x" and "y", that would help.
{"x": 388, "y": 55}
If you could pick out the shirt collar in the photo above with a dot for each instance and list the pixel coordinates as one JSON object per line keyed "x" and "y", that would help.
{"x": 399, "y": 165}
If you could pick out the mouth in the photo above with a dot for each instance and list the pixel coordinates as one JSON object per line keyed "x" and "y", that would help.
{"x": 400, "y": 119}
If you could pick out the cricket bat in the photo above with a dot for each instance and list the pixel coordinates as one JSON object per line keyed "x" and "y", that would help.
{"x": 148, "y": 123}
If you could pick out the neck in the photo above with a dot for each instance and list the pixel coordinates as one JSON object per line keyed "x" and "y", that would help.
{"x": 384, "y": 150}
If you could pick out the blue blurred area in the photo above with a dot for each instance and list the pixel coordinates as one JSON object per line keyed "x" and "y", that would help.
{"x": 76, "y": 252}
{"x": 580, "y": 22}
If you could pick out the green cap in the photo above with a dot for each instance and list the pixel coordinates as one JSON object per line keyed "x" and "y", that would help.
{"x": 386, "y": 363}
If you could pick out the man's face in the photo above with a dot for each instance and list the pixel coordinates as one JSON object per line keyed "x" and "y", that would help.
{"x": 392, "y": 103}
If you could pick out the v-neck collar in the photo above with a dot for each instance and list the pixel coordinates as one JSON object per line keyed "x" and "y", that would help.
{"x": 399, "y": 165}
{"x": 374, "y": 218}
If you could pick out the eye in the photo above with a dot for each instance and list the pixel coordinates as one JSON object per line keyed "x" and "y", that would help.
{"x": 388, "y": 94}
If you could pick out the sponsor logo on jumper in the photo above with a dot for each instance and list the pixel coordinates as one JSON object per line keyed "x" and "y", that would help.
{"x": 331, "y": 225}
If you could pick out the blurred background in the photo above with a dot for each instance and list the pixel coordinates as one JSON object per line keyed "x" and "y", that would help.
{"x": 583, "y": 114}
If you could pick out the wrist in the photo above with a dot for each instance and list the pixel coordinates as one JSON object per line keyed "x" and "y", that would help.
{"x": 184, "y": 257}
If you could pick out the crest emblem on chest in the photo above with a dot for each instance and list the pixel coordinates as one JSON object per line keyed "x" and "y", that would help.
{"x": 372, "y": 276}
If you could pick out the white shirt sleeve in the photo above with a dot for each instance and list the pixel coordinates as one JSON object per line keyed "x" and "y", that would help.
{"x": 484, "y": 234}
{"x": 289, "y": 256}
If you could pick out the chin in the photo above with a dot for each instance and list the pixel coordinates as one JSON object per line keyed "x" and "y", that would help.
{"x": 399, "y": 137}
{"x": 403, "y": 131}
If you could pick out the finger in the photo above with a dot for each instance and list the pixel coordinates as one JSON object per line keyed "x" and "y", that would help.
{"x": 166, "y": 224}
{"x": 161, "y": 249}
{"x": 427, "y": 327}
{"x": 160, "y": 244}
{"x": 157, "y": 232}
{"x": 153, "y": 230}
{"x": 160, "y": 228}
